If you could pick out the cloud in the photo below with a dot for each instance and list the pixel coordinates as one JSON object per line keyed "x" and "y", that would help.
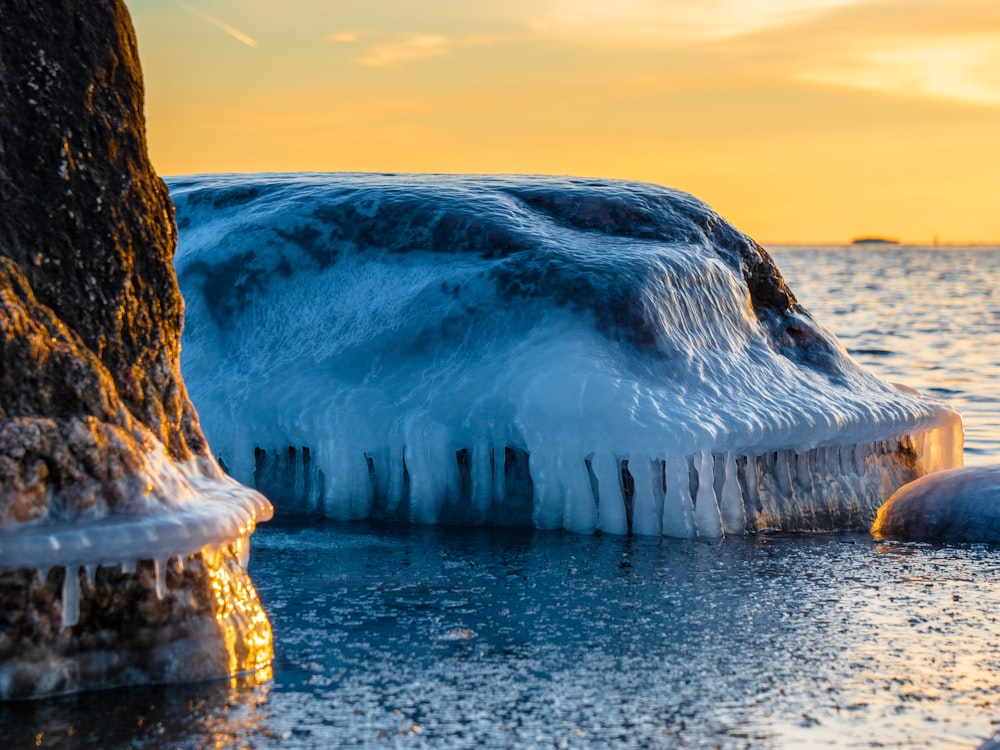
{"x": 901, "y": 48}
{"x": 221, "y": 25}
{"x": 656, "y": 22}
{"x": 405, "y": 48}
{"x": 392, "y": 49}
{"x": 964, "y": 68}
{"x": 942, "y": 51}
{"x": 344, "y": 37}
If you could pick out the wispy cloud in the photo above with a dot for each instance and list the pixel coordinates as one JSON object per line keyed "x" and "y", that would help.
{"x": 929, "y": 51}
{"x": 963, "y": 68}
{"x": 945, "y": 52}
{"x": 343, "y": 37}
{"x": 405, "y": 48}
{"x": 385, "y": 50}
{"x": 656, "y": 22}
{"x": 217, "y": 23}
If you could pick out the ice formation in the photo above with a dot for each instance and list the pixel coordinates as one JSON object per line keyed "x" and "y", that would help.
{"x": 591, "y": 355}
{"x": 187, "y": 509}
{"x": 958, "y": 505}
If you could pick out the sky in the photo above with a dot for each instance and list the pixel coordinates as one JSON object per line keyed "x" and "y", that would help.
{"x": 798, "y": 120}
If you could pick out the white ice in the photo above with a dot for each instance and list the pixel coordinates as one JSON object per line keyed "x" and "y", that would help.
{"x": 452, "y": 348}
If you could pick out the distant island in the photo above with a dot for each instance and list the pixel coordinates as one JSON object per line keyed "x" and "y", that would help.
{"x": 874, "y": 241}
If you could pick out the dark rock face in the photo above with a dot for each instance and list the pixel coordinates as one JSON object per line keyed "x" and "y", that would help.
{"x": 83, "y": 214}
{"x": 69, "y": 449}
{"x": 95, "y": 424}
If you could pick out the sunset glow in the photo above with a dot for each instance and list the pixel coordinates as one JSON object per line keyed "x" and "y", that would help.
{"x": 798, "y": 120}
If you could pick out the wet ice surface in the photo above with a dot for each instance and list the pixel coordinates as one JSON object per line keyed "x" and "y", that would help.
{"x": 424, "y": 637}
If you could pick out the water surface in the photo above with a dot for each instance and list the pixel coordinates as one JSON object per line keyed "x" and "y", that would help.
{"x": 925, "y": 316}
{"x": 498, "y": 638}
{"x": 437, "y": 637}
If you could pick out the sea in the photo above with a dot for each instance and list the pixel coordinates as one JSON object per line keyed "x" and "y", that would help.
{"x": 446, "y": 637}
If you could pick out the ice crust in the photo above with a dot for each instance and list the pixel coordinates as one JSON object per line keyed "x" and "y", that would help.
{"x": 205, "y": 511}
{"x": 957, "y": 505}
{"x": 571, "y": 353}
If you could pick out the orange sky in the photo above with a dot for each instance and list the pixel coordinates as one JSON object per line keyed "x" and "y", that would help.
{"x": 797, "y": 120}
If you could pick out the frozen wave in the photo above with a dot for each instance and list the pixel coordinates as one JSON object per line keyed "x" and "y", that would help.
{"x": 565, "y": 352}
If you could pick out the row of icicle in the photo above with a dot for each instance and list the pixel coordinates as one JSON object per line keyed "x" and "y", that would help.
{"x": 708, "y": 495}
{"x": 210, "y": 554}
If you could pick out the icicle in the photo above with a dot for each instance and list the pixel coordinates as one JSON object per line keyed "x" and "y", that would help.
{"x": 920, "y": 446}
{"x": 242, "y": 545}
{"x": 43, "y": 573}
{"x": 734, "y": 519}
{"x": 211, "y": 556}
{"x": 297, "y": 471}
{"x": 610, "y": 506}
{"x": 160, "y": 577}
{"x": 434, "y": 480}
{"x": 90, "y": 571}
{"x": 647, "y": 500}
{"x": 782, "y": 471}
{"x": 579, "y": 512}
{"x": 499, "y": 475}
{"x": 842, "y": 466}
{"x": 396, "y": 485}
{"x": 678, "y": 511}
{"x": 128, "y": 567}
{"x": 425, "y": 498}
{"x": 71, "y": 597}
{"x": 481, "y": 478}
{"x": 350, "y": 485}
{"x": 547, "y": 503}
{"x": 832, "y": 461}
{"x": 803, "y": 472}
{"x": 706, "y": 508}
{"x": 749, "y": 489}
{"x": 752, "y": 482}
{"x": 861, "y": 458}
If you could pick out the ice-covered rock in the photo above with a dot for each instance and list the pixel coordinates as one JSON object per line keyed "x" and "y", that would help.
{"x": 574, "y": 353}
{"x": 120, "y": 537}
{"x": 958, "y": 505}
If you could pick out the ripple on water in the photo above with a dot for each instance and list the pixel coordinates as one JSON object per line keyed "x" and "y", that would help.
{"x": 934, "y": 310}
{"x": 495, "y": 638}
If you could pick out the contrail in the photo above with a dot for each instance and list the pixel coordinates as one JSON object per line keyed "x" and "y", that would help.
{"x": 222, "y": 25}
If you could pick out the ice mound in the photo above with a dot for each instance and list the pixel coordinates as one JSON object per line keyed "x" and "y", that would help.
{"x": 584, "y": 354}
{"x": 959, "y": 505}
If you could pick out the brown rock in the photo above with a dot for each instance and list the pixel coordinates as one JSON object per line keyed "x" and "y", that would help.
{"x": 94, "y": 418}
{"x": 85, "y": 217}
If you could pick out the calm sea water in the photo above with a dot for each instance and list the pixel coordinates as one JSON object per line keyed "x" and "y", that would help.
{"x": 436, "y": 637}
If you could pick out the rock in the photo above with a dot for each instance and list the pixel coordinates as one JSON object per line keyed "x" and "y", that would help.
{"x": 100, "y": 448}
{"x": 958, "y": 505}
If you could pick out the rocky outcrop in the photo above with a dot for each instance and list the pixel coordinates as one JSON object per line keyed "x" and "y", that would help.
{"x": 98, "y": 440}
{"x": 948, "y": 507}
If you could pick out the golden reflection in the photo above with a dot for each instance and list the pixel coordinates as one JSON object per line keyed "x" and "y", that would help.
{"x": 243, "y": 624}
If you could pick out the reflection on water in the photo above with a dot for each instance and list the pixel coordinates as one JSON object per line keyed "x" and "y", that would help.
{"x": 222, "y": 714}
{"x": 427, "y": 637}
{"x": 925, "y": 316}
